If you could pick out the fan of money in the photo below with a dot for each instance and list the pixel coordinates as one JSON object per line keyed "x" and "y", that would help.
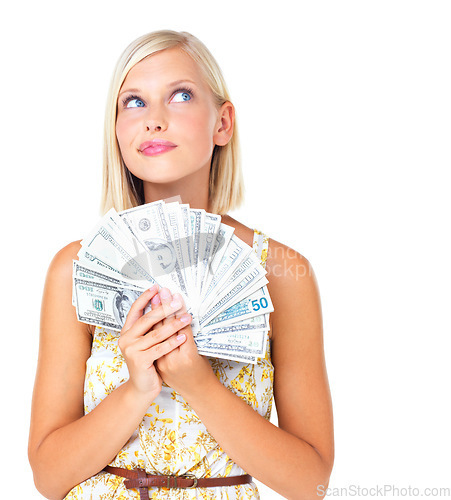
{"x": 189, "y": 251}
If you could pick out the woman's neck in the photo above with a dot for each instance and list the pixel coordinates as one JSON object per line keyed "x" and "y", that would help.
{"x": 193, "y": 189}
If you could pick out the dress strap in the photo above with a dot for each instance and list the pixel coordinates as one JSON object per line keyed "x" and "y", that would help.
{"x": 260, "y": 246}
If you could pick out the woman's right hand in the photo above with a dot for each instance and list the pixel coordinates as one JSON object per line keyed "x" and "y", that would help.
{"x": 145, "y": 338}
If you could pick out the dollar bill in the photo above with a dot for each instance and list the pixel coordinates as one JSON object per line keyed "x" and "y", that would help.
{"x": 108, "y": 248}
{"x": 260, "y": 322}
{"x": 241, "y": 273}
{"x": 247, "y": 284}
{"x": 237, "y": 337}
{"x": 206, "y": 246}
{"x": 255, "y": 304}
{"x": 150, "y": 226}
{"x": 197, "y": 217}
{"x": 103, "y": 304}
{"x": 235, "y": 253}
{"x": 85, "y": 271}
{"x": 221, "y": 243}
{"x": 242, "y": 357}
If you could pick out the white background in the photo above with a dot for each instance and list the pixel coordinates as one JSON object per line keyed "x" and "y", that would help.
{"x": 344, "y": 110}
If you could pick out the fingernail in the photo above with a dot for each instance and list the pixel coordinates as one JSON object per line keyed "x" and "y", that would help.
{"x": 155, "y": 300}
{"x": 185, "y": 318}
{"x": 165, "y": 293}
{"x": 152, "y": 288}
{"x": 181, "y": 336}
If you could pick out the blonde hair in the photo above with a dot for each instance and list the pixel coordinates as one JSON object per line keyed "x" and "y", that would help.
{"x": 121, "y": 189}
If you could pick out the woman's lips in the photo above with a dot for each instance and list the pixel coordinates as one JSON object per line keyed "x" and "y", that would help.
{"x": 156, "y": 147}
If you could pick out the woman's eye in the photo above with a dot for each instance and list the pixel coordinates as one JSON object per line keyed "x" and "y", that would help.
{"x": 181, "y": 97}
{"x": 134, "y": 103}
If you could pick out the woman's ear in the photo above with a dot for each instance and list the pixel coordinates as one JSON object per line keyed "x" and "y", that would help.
{"x": 224, "y": 125}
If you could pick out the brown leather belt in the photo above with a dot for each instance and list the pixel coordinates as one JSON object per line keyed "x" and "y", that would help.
{"x": 139, "y": 479}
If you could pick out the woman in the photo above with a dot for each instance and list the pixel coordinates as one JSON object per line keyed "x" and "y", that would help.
{"x": 144, "y": 399}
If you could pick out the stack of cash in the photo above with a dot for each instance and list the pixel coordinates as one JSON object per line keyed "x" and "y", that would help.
{"x": 189, "y": 251}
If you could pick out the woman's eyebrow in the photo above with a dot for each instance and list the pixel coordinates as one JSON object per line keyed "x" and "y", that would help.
{"x": 129, "y": 90}
{"x": 178, "y": 82}
{"x": 172, "y": 84}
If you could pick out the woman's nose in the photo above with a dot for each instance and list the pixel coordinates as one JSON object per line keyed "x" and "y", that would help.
{"x": 156, "y": 126}
{"x": 156, "y": 120}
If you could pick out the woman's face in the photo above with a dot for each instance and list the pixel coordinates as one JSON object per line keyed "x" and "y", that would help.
{"x": 167, "y": 122}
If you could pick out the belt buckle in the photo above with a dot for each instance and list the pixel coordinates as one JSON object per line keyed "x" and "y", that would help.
{"x": 183, "y": 476}
{"x": 169, "y": 477}
{"x": 190, "y": 476}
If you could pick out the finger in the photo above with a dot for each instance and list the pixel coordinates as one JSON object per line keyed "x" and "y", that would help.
{"x": 183, "y": 309}
{"x": 136, "y": 310}
{"x": 147, "y": 321}
{"x": 163, "y": 348}
{"x": 160, "y": 335}
{"x": 169, "y": 304}
{"x": 156, "y": 303}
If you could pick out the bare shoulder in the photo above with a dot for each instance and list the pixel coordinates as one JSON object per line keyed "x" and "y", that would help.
{"x": 287, "y": 267}
{"x": 63, "y": 258}
{"x": 291, "y": 280}
{"x": 242, "y": 231}
{"x": 293, "y": 288}
{"x": 59, "y": 274}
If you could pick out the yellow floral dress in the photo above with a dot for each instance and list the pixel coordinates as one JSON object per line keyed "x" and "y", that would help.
{"x": 171, "y": 439}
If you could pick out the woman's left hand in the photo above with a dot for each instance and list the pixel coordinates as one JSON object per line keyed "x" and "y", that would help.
{"x": 184, "y": 369}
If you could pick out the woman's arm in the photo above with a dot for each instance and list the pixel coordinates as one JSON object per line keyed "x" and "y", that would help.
{"x": 296, "y": 457}
{"x": 66, "y": 447}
